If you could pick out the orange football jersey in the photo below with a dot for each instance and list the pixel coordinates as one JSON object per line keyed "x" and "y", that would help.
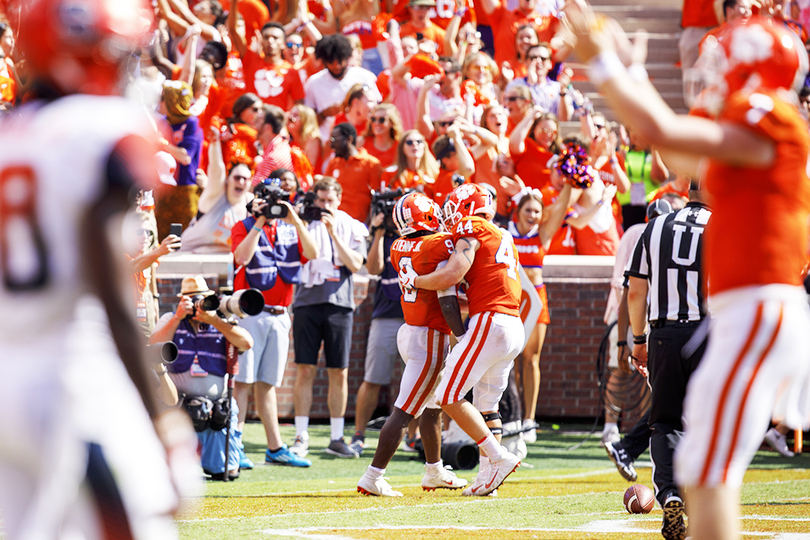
{"x": 758, "y": 232}
{"x": 421, "y": 307}
{"x": 493, "y": 283}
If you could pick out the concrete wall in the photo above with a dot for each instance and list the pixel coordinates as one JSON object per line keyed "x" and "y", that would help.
{"x": 577, "y": 290}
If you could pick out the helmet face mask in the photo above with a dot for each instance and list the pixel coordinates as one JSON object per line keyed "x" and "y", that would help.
{"x": 468, "y": 200}
{"x": 416, "y": 212}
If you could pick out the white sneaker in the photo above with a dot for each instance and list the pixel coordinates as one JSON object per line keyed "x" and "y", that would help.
{"x": 379, "y": 487}
{"x": 300, "y": 447}
{"x": 778, "y": 442}
{"x": 611, "y": 436}
{"x": 498, "y": 471}
{"x": 530, "y": 435}
{"x": 441, "y": 477}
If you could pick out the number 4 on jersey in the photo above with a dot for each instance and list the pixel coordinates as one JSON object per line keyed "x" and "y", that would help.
{"x": 506, "y": 255}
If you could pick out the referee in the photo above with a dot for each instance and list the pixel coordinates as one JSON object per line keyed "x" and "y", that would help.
{"x": 666, "y": 268}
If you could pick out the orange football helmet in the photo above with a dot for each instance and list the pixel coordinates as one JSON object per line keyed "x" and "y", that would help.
{"x": 417, "y": 212}
{"x": 468, "y": 200}
{"x": 80, "y": 45}
{"x": 757, "y": 54}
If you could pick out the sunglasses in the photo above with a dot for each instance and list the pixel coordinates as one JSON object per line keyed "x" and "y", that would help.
{"x": 512, "y": 99}
{"x": 412, "y": 142}
{"x": 293, "y": 45}
{"x": 548, "y": 131}
{"x": 378, "y": 120}
{"x": 446, "y": 123}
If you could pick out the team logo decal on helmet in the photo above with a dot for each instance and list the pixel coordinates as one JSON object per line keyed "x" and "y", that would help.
{"x": 755, "y": 55}
{"x": 416, "y": 212}
{"x": 468, "y": 200}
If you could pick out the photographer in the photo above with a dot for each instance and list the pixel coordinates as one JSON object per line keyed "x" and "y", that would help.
{"x": 268, "y": 253}
{"x": 381, "y": 346}
{"x": 324, "y": 306}
{"x": 202, "y": 339}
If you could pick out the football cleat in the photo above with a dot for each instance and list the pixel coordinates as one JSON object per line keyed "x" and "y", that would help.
{"x": 441, "y": 478}
{"x": 376, "y": 486}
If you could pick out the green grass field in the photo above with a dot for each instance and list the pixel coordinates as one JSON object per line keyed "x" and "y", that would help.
{"x": 556, "y": 493}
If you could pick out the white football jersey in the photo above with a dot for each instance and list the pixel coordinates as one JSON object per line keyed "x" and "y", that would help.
{"x": 53, "y": 159}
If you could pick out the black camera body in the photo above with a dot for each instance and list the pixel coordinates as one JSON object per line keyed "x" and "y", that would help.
{"x": 383, "y": 202}
{"x": 309, "y": 212}
{"x": 203, "y": 303}
{"x": 273, "y": 196}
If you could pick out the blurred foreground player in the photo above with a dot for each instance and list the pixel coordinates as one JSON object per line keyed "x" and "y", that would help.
{"x": 423, "y": 342}
{"x": 757, "y": 156}
{"x": 486, "y": 258}
{"x": 79, "y": 456}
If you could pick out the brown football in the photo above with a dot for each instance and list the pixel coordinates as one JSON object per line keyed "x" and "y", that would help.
{"x": 639, "y": 499}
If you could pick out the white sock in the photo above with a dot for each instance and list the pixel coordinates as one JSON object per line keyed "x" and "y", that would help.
{"x": 374, "y": 472}
{"x": 435, "y": 466}
{"x": 301, "y": 427}
{"x": 491, "y": 447}
{"x": 610, "y": 426}
{"x": 337, "y": 427}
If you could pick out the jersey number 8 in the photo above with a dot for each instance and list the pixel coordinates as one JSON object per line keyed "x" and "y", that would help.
{"x": 23, "y": 256}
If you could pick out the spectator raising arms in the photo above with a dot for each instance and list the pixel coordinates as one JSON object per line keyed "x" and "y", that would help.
{"x": 415, "y": 164}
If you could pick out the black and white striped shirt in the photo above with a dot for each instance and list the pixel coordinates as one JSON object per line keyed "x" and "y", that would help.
{"x": 669, "y": 256}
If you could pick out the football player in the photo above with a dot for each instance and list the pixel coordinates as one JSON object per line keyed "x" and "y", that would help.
{"x": 753, "y": 145}
{"x": 81, "y": 455}
{"x": 486, "y": 258}
{"x": 423, "y": 342}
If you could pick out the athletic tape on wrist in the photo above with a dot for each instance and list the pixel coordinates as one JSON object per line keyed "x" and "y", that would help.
{"x": 638, "y": 72}
{"x": 605, "y": 66}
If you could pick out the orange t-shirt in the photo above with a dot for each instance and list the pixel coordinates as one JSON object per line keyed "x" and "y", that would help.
{"x": 8, "y": 85}
{"x": 505, "y": 24}
{"x": 241, "y": 147}
{"x": 433, "y": 32}
{"x": 407, "y": 180}
{"x": 441, "y": 187}
{"x": 758, "y": 231}
{"x": 275, "y": 84}
{"x": 386, "y": 157}
{"x": 563, "y": 242}
{"x": 362, "y": 29}
{"x": 607, "y": 176}
{"x": 698, "y": 13}
{"x": 532, "y": 166}
{"x": 485, "y": 174}
{"x": 420, "y": 307}
{"x": 358, "y": 175}
{"x": 441, "y": 14}
{"x": 493, "y": 281}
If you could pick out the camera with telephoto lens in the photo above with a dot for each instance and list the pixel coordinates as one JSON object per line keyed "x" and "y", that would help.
{"x": 272, "y": 195}
{"x": 383, "y": 202}
{"x": 310, "y": 212}
{"x": 164, "y": 352}
{"x": 203, "y": 303}
{"x": 244, "y": 303}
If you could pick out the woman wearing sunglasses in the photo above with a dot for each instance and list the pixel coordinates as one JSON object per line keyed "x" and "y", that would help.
{"x": 383, "y": 134}
{"x": 415, "y": 165}
{"x": 239, "y": 135}
{"x": 302, "y": 125}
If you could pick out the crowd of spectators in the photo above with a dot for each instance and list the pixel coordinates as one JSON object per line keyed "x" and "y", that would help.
{"x": 371, "y": 96}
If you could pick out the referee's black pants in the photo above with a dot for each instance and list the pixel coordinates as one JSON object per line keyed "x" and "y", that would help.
{"x": 669, "y": 374}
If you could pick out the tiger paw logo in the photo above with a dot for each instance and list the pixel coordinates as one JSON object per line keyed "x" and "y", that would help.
{"x": 465, "y": 191}
{"x": 422, "y": 203}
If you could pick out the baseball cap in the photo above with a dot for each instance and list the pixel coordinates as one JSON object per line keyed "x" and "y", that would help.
{"x": 422, "y": 3}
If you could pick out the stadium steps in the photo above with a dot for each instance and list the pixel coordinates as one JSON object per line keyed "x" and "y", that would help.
{"x": 662, "y": 20}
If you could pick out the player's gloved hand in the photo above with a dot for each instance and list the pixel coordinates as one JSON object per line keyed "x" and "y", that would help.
{"x": 407, "y": 277}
